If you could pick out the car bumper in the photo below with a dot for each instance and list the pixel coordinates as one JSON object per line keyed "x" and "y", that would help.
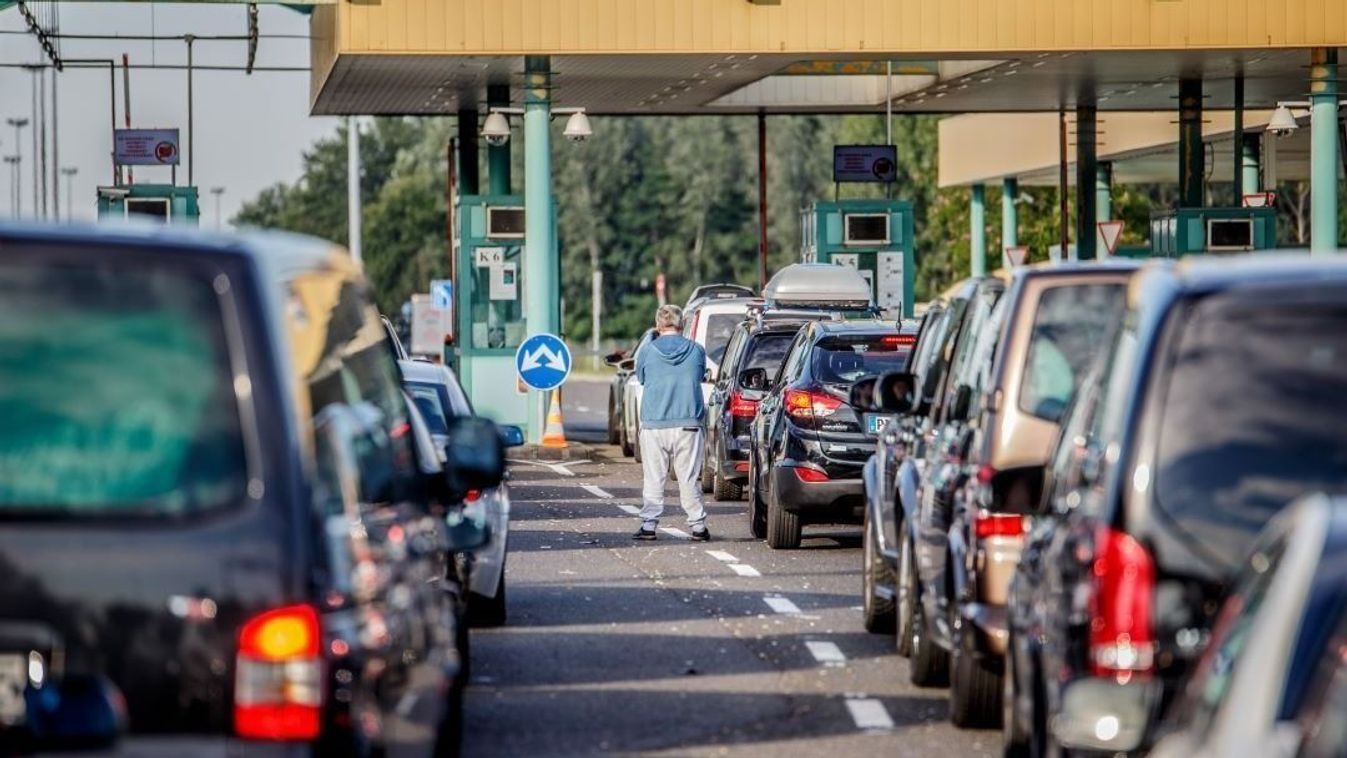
{"x": 836, "y": 500}
{"x": 732, "y": 465}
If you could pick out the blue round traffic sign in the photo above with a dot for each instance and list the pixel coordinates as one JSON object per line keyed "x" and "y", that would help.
{"x": 543, "y": 362}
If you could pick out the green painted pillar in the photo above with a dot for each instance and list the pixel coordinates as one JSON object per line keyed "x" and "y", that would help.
{"x": 977, "y": 229}
{"x": 1010, "y": 217}
{"x": 1248, "y": 165}
{"x": 1192, "y": 155}
{"x": 1103, "y": 192}
{"x": 1323, "y": 151}
{"x": 1087, "y": 171}
{"x": 498, "y": 156}
{"x": 541, "y": 286}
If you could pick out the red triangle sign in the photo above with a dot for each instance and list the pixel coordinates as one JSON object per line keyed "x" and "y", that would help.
{"x": 1015, "y": 256}
{"x": 1110, "y": 231}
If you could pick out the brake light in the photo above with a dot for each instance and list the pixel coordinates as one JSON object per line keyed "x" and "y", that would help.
{"x": 1122, "y": 643}
{"x": 277, "y": 681}
{"x": 741, "y": 466}
{"x": 987, "y": 524}
{"x": 986, "y": 474}
{"x": 899, "y": 339}
{"x": 741, "y": 406}
{"x": 472, "y": 496}
{"x": 805, "y": 405}
{"x": 810, "y": 475}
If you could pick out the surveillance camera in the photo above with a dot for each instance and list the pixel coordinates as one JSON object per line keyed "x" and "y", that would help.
{"x": 577, "y": 137}
{"x": 496, "y": 140}
{"x": 577, "y": 127}
{"x": 496, "y": 130}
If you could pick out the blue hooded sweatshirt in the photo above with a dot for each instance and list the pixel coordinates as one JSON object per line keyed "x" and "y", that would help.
{"x": 671, "y": 367}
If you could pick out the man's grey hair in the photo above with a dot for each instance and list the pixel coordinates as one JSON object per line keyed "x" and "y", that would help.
{"x": 669, "y": 317}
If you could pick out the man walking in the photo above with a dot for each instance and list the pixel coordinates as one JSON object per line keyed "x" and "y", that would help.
{"x": 670, "y": 368}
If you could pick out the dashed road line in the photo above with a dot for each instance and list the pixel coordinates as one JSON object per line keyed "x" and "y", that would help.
{"x": 743, "y": 569}
{"x": 597, "y": 491}
{"x": 827, "y": 653}
{"x": 633, "y": 510}
{"x": 721, "y": 555}
{"x": 869, "y": 713}
{"x": 781, "y": 604}
{"x": 556, "y": 468}
{"x": 675, "y": 532}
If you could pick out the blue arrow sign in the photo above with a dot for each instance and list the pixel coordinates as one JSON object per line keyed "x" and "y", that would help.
{"x": 543, "y": 361}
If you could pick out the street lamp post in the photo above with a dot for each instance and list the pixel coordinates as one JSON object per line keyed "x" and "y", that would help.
{"x": 13, "y": 161}
{"x": 217, "y": 191}
{"x": 69, "y": 173}
{"x": 18, "y": 124}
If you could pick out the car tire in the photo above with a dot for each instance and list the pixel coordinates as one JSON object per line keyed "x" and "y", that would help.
{"x": 488, "y": 611}
{"x": 614, "y": 437}
{"x": 708, "y": 478}
{"x": 877, "y": 612}
{"x": 625, "y": 440}
{"x": 929, "y": 664}
{"x": 783, "y": 527}
{"x": 757, "y": 510}
{"x": 974, "y": 688}
{"x": 726, "y": 490}
{"x": 1014, "y": 742}
{"x": 905, "y": 591}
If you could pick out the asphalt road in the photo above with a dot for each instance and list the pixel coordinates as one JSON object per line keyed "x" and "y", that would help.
{"x": 680, "y": 648}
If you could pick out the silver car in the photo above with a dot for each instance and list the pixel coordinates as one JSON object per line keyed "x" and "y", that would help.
{"x": 438, "y": 395}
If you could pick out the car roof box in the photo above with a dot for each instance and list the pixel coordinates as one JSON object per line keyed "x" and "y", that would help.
{"x": 817, "y": 285}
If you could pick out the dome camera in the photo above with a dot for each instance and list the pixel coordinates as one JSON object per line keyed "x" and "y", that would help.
{"x": 577, "y": 127}
{"x": 1283, "y": 122}
{"x": 496, "y": 129}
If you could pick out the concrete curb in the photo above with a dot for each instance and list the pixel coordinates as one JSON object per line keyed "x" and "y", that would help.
{"x": 574, "y": 451}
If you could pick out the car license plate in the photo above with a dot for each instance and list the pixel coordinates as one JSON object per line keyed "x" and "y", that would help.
{"x": 13, "y": 682}
{"x": 874, "y": 423}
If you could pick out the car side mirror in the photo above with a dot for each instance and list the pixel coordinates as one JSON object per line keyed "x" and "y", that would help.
{"x": 627, "y": 364}
{"x": 614, "y": 359}
{"x": 862, "y": 394}
{"x": 753, "y": 379}
{"x": 893, "y": 392}
{"x": 511, "y": 435}
{"x": 474, "y": 457}
{"x": 963, "y": 402}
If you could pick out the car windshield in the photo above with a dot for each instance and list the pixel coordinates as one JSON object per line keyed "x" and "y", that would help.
{"x": 1070, "y": 325}
{"x": 845, "y": 359}
{"x": 767, "y": 351}
{"x": 1253, "y": 416}
{"x": 719, "y": 327}
{"x": 116, "y": 393}
{"x": 432, "y": 401}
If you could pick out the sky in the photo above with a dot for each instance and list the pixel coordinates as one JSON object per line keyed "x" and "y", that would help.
{"x": 251, "y": 131}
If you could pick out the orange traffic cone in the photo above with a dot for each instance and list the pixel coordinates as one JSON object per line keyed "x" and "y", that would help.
{"x": 554, "y": 434}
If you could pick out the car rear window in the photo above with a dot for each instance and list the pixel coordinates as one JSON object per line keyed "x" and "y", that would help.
{"x": 116, "y": 393}
{"x": 1071, "y": 324}
{"x": 845, "y": 359}
{"x": 719, "y": 327}
{"x": 432, "y": 401}
{"x": 768, "y": 351}
{"x": 1252, "y": 417}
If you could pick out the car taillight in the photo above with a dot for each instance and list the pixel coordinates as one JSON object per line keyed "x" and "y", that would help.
{"x": 806, "y": 405}
{"x": 277, "y": 682}
{"x": 1122, "y": 640}
{"x": 741, "y": 406}
{"x": 899, "y": 339}
{"x": 472, "y": 496}
{"x": 741, "y": 466}
{"x": 987, "y": 524}
{"x": 810, "y": 475}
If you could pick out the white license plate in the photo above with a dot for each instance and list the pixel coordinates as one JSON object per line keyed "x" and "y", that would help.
{"x": 13, "y": 682}
{"x": 874, "y": 424}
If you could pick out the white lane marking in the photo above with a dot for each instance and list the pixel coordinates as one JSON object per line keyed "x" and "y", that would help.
{"x": 675, "y": 532}
{"x": 781, "y": 604}
{"x": 826, "y": 652}
{"x": 597, "y": 491}
{"x": 556, "y": 468}
{"x": 633, "y": 510}
{"x": 406, "y": 704}
{"x": 721, "y": 555}
{"x": 743, "y": 569}
{"x": 869, "y": 713}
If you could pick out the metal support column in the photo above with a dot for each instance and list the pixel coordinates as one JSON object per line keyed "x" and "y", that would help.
{"x": 1249, "y": 149}
{"x": 1087, "y": 169}
{"x": 1238, "y": 152}
{"x": 1010, "y": 217}
{"x": 469, "y": 172}
{"x": 1192, "y": 155}
{"x": 1323, "y": 151}
{"x": 541, "y": 285}
{"x": 977, "y": 230}
{"x": 762, "y": 201}
{"x": 498, "y": 156}
{"x": 354, "y": 212}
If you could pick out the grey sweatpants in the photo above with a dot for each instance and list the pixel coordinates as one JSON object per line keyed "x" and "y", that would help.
{"x": 681, "y": 450}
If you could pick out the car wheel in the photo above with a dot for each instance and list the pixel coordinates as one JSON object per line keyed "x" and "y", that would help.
{"x": 1014, "y": 742}
{"x": 613, "y": 436}
{"x": 726, "y": 490}
{"x": 625, "y": 440}
{"x": 708, "y": 473}
{"x": 929, "y": 666}
{"x": 757, "y": 511}
{"x": 877, "y": 612}
{"x": 783, "y": 527}
{"x": 974, "y": 687}
{"x": 905, "y": 589}
{"x": 489, "y": 611}
{"x": 636, "y": 444}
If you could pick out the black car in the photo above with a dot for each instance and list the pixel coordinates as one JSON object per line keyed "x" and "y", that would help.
{"x": 1220, "y": 401}
{"x": 761, "y": 341}
{"x": 808, "y": 445}
{"x": 215, "y": 519}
